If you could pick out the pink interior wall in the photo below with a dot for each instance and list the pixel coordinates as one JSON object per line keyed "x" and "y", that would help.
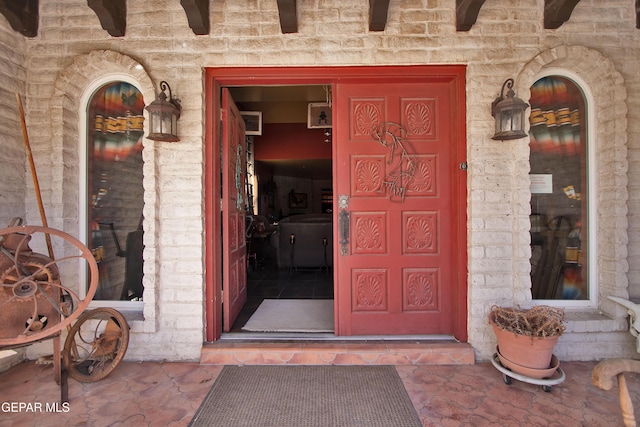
{"x": 281, "y": 141}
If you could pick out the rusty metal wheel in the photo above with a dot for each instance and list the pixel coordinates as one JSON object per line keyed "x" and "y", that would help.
{"x": 39, "y": 296}
{"x": 96, "y": 344}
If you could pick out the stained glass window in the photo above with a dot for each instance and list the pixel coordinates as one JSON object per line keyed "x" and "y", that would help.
{"x": 115, "y": 132}
{"x": 558, "y": 157}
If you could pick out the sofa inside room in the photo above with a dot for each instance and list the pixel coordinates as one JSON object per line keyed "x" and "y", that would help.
{"x": 304, "y": 241}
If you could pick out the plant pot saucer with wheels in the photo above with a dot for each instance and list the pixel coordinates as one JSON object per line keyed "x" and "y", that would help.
{"x": 557, "y": 377}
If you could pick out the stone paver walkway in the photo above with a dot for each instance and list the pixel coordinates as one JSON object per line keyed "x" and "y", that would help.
{"x": 168, "y": 394}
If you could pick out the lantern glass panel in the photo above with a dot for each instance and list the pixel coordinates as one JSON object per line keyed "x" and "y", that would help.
{"x": 517, "y": 120}
{"x": 506, "y": 121}
{"x": 174, "y": 125}
{"x": 165, "y": 126}
{"x": 156, "y": 123}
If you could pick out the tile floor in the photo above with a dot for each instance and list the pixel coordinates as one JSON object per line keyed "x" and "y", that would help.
{"x": 168, "y": 394}
{"x": 267, "y": 282}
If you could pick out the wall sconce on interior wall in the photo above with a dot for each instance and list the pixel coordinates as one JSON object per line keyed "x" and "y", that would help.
{"x": 509, "y": 114}
{"x": 163, "y": 116}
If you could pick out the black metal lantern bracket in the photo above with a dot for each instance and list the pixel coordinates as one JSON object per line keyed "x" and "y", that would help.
{"x": 509, "y": 112}
{"x": 175, "y": 101}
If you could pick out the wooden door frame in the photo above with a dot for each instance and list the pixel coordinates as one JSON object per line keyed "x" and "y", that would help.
{"x": 215, "y": 78}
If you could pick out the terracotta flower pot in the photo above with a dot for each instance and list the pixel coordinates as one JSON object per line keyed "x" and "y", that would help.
{"x": 526, "y": 351}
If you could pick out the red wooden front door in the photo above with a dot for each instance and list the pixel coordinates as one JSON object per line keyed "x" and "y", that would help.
{"x": 405, "y": 265}
{"x": 398, "y": 194}
{"x": 234, "y": 254}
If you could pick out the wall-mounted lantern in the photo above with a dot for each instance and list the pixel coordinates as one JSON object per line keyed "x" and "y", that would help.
{"x": 509, "y": 112}
{"x": 163, "y": 116}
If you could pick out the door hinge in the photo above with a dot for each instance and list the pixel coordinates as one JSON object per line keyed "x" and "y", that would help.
{"x": 464, "y": 166}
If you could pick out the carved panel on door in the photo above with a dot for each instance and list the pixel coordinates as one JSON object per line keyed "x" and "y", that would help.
{"x": 368, "y": 174}
{"x": 424, "y": 180}
{"x": 233, "y": 282}
{"x": 231, "y": 182}
{"x": 418, "y": 118}
{"x": 233, "y": 232}
{"x": 369, "y": 290}
{"x": 420, "y": 288}
{"x": 369, "y": 233}
{"x": 241, "y": 231}
{"x": 420, "y": 232}
{"x": 366, "y": 115}
{"x": 242, "y": 276}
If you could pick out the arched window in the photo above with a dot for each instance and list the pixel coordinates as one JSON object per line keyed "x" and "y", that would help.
{"x": 559, "y": 191}
{"x": 114, "y": 191}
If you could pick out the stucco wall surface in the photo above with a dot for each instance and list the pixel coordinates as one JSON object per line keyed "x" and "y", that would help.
{"x": 599, "y": 44}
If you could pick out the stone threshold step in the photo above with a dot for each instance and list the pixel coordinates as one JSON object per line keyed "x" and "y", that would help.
{"x": 337, "y": 353}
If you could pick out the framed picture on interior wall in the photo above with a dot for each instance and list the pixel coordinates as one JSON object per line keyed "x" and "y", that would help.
{"x": 297, "y": 200}
{"x": 252, "y": 121}
{"x": 319, "y": 115}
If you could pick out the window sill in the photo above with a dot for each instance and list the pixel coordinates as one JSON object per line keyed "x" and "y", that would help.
{"x": 593, "y": 321}
{"x": 132, "y": 315}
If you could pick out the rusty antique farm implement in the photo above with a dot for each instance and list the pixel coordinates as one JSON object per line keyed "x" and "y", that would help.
{"x": 35, "y": 304}
{"x": 43, "y": 297}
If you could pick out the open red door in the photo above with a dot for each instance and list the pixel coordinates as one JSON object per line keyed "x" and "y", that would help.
{"x": 399, "y": 206}
{"x": 234, "y": 254}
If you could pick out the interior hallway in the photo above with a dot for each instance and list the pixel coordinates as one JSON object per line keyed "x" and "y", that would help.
{"x": 168, "y": 394}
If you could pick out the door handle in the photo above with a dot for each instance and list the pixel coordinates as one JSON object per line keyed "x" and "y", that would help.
{"x": 343, "y": 228}
{"x": 343, "y": 224}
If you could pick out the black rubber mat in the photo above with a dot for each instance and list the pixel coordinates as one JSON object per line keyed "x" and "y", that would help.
{"x": 307, "y": 396}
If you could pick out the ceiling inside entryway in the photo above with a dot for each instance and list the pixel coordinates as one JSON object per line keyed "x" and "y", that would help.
{"x": 279, "y": 104}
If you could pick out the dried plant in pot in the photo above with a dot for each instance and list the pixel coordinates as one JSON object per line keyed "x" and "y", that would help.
{"x": 527, "y": 337}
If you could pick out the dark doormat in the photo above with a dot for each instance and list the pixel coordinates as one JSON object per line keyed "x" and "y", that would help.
{"x": 307, "y": 396}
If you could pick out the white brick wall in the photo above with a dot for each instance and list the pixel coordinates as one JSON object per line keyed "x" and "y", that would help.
{"x": 13, "y": 76}
{"x": 599, "y": 43}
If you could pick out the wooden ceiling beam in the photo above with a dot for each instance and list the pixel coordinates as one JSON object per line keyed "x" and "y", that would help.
{"x": 467, "y": 13}
{"x": 112, "y": 15}
{"x": 22, "y": 15}
{"x": 378, "y": 10}
{"x": 288, "y": 16}
{"x": 198, "y": 15}
{"x": 557, "y": 12}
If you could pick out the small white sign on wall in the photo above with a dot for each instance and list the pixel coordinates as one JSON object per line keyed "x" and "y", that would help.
{"x": 541, "y": 183}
